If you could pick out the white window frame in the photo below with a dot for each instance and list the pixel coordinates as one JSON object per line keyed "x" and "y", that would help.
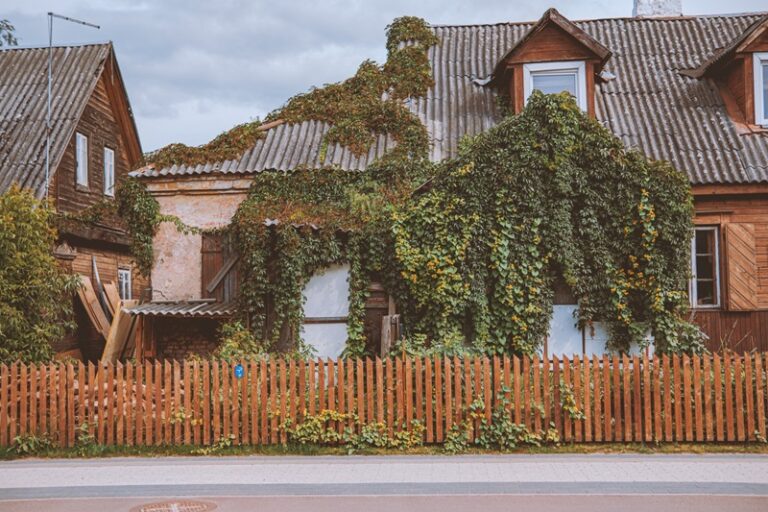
{"x": 127, "y": 280}
{"x": 759, "y": 59}
{"x": 692, "y": 285}
{"x": 577, "y": 68}
{"x": 81, "y": 159}
{"x": 109, "y": 172}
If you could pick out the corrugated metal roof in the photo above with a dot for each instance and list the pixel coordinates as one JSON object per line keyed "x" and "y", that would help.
{"x": 649, "y": 104}
{"x": 23, "y": 98}
{"x": 186, "y": 309}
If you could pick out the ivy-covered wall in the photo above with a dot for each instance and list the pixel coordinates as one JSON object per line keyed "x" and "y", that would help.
{"x": 472, "y": 256}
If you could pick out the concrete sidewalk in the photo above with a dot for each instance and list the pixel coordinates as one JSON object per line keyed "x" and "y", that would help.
{"x": 720, "y": 478}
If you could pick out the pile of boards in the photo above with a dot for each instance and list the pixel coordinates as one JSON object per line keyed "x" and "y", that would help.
{"x": 108, "y": 315}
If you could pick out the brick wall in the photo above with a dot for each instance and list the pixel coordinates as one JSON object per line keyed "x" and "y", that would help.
{"x": 178, "y": 338}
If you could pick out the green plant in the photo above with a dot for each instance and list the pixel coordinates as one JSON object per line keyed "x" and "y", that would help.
{"x": 547, "y": 196}
{"x": 35, "y": 291}
{"x": 568, "y": 402}
{"x": 30, "y": 444}
{"x": 237, "y": 343}
{"x": 457, "y": 438}
{"x": 222, "y": 444}
{"x": 371, "y": 102}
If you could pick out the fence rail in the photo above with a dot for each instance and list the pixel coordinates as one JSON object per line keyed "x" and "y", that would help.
{"x": 587, "y": 399}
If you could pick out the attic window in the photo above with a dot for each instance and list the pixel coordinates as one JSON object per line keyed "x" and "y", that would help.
{"x": 760, "y": 61}
{"x": 556, "y": 77}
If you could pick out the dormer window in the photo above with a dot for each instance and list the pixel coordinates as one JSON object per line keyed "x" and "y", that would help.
{"x": 760, "y": 62}
{"x": 556, "y": 77}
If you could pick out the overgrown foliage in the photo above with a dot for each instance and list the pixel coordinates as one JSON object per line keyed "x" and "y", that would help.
{"x": 334, "y": 428}
{"x": 226, "y": 146}
{"x": 544, "y": 197}
{"x": 237, "y": 343}
{"x": 35, "y": 305}
{"x": 371, "y": 102}
{"x": 548, "y": 197}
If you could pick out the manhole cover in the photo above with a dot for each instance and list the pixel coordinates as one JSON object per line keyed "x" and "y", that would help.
{"x": 175, "y": 506}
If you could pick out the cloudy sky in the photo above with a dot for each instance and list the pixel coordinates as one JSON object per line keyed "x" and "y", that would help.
{"x": 195, "y": 68}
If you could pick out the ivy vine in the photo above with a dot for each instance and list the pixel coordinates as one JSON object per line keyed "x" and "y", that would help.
{"x": 371, "y": 102}
{"x": 548, "y": 195}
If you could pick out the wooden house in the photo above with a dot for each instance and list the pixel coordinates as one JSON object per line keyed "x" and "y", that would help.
{"x": 692, "y": 90}
{"x": 93, "y": 142}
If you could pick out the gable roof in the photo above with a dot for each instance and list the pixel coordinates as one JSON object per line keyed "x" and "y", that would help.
{"x": 650, "y": 105}
{"x": 23, "y": 100}
{"x": 553, "y": 17}
{"x": 723, "y": 55}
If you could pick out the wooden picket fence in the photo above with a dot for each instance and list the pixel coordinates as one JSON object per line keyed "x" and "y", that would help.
{"x": 609, "y": 399}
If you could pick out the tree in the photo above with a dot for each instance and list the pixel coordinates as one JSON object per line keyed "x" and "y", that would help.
{"x": 35, "y": 292}
{"x": 7, "y": 37}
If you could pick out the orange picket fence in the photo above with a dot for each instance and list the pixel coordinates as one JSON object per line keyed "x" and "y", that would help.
{"x": 587, "y": 399}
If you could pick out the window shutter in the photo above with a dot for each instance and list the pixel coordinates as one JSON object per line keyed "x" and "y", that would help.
{"x": 741, "y": 266}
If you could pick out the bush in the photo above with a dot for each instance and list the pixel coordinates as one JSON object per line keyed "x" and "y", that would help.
{"x": 35, "y": 292}
{"x": 237, "y": 343}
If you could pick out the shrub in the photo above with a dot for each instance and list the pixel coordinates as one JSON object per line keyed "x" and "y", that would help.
{"x": 35, "y": 292}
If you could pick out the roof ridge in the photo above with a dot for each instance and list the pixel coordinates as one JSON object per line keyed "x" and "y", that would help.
{"x": 616, "y": 18}
{"x": 56, "y": 46}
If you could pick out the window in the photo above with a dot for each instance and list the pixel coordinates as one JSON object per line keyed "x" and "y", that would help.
{"x": 124, "y": 283}
{"x": 556, "y": 77}
{"x": 705, "y": 266}
{"x": 760, "y": 62}
{"x": 109, "y": 172}
{"x": 81, "y": 159}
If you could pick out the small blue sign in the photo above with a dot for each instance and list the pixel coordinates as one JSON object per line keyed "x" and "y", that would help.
{"x": 239, "y": 371}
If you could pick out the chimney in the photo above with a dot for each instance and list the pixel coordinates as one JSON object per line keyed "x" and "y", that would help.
{"x": 653, "y": 8}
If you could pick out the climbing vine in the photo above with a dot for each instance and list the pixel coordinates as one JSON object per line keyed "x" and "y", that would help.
{"x": 371, "y": 102}
{"x": 228, "y": 145}
{"x": 544, "y": 197}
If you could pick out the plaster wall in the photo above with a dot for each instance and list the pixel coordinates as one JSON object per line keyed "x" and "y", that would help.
{"x": 199, "y": 203}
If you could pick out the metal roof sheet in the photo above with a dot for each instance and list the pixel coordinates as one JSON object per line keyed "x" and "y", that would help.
{"x": 650, "y": 105}
{"x": 23, "y": 99}
{"x": 185, "y": 309}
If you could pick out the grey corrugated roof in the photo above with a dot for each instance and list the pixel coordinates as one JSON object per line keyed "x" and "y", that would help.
{"x": 191, "y": 309}
{"x": 649, "y": 105}
{"x": 23, "y": 86}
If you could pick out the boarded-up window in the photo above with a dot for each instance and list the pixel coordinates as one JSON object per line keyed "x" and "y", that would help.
{"x": 741, "y": 266}
{"x": 219, "y": 272}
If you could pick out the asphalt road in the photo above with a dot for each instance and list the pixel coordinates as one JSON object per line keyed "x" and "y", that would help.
{"x": 547, "y": 482}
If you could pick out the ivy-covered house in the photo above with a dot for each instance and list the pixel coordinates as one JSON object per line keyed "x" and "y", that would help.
{"x": 93, "y": 144}
{"x": 275, "y": 209}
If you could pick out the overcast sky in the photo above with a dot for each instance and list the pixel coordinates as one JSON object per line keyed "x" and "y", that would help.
{"x": 196, "y": 68}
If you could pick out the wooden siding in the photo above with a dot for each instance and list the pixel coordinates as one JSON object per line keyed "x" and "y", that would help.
{"x": 748, "y": 209}
{"x": 734, "y": 330}
{"x": 552, "y": 43}
{"x": 99, "y": 123}
{"x": 741, "y": 266}
{"x": 742, "y": 322}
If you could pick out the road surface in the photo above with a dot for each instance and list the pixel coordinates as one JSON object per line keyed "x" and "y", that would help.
{"x": 394, "y": 483}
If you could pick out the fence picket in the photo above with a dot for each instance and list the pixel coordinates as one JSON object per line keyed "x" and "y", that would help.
{"x": 759, "y": 398}
{"x": 739, "y": 392}
{"x": 697, "y": 398}
{"x": 708, "y": 423}
{"x": 749, "y": 389}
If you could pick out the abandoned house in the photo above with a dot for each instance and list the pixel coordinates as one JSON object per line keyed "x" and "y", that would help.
{"x": 692, "y": 90}
{"x": 93, "y": 142}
